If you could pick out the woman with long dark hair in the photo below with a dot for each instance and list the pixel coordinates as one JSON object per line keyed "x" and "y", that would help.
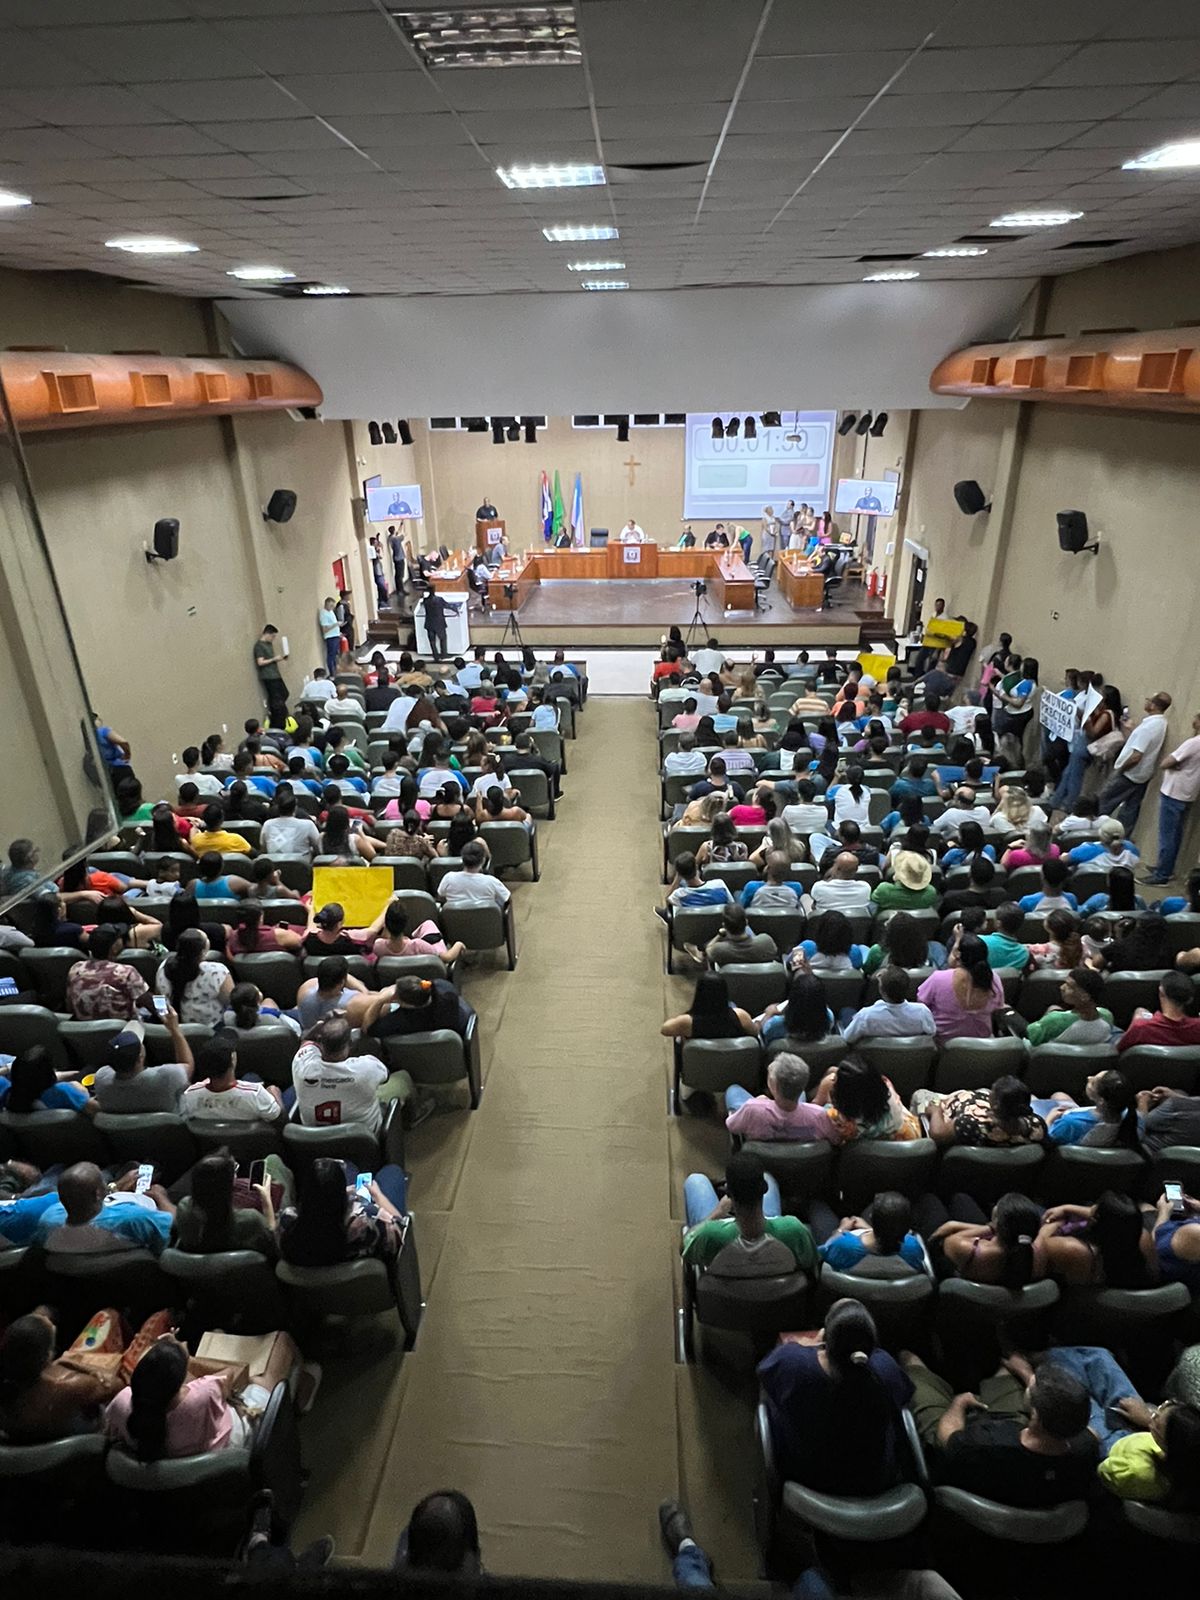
{"x": 1105, "y": 1244}
{"x": 42, "y": 1399}
{"x": 197, "y": 988}
{"x": 32, "y": 1085}
{"x": 998, "y": 1251}
{"x": 248, "y": 936}
{"x": 834, "y": 1401}
{"x": 1109, "y": 1121}
{"x": 208, "y": 1222}
{"x": 339, "y": 839}
{"x": 712, "y": 1015}
{"x": 965, "y": 994}
{"x": 904, "y": 942}
{"x": 331, "y": 1223}
{"x": 863, "y": 1104}
{"x": 162, "y": 1415}
{"x": 803, "y": 1018}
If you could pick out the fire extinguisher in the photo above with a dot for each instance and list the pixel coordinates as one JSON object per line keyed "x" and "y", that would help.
{"x": 882, "y": 585}
{"x": 872, "y": 583}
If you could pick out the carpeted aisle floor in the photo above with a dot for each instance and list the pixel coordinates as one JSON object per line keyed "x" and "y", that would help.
{"x": 544, "y": 1383}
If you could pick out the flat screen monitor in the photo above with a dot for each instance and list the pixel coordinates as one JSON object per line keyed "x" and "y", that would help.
{"x": 386, "y": 501}
{"x": 873, "y": 497}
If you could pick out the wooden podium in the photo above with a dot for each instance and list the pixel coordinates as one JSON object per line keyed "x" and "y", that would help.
{"x": 487, "y": 533}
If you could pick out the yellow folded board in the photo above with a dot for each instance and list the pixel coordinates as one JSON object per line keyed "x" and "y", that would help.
{"x": 362, "y": 892}
{"x": 941, "y": 631}
{"x": 875, "y": 664}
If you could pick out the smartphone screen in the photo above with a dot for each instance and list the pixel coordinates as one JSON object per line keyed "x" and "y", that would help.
{"x": 1173, "y": 1194}
{"x": 362, "y": 1185}
{"x": 145, "y": 1178}
{"x": 160, "y": 1004}
{"x": 258, "y": 1172}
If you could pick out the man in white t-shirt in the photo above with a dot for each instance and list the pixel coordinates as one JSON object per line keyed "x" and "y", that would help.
{"x": 1180, "y": 788}
{"x": 964, "y": 717}
{"x": 841, "y": 890}
{"x": 632, "y": 534}
{"x": 710, "y": 659}
{"x": 206, "y": 782}
{"x": 686, "y": 761}
{"x": 289, "y": 834}
{"x": 1136, "y": 764}
{"x": 319, "y": 686}
{"x": 332, "y": 1086}
{"x": 705, "y": 695}
{"x": 807, "y": 815}
{"x": 473, "y": 886}
{"x": 218, "y": 1095}
{"x": 960, "y": 810}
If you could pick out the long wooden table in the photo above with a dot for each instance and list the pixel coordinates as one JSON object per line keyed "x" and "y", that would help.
{"x": 730, "y": 581}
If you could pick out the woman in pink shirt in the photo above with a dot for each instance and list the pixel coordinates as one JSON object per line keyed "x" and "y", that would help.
{"x": 964, "y": 995}
{"x": 162, "y": 1414}
{"x": 754, "y": 811}
{"x": 781, "y": 1113}
{"x": 1035, "y": 849}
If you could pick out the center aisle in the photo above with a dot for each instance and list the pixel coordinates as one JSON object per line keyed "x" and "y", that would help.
{"x": 543, "y": 1380}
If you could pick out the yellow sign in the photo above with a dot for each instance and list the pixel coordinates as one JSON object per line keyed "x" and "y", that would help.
{"x": 362, "y": 892}
{"x": 940, "y": 632}
{"x": 875, "y": 665}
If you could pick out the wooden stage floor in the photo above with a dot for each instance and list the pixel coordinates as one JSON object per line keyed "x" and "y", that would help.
{"x": 638, "y": 613}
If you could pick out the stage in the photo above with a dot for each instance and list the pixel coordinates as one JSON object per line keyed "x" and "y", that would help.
{"x": 582, "y": 612}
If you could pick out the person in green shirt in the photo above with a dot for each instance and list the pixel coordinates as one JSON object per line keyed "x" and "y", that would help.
{"x": 749, "y": 1214}
{"x": 266, "y": 661}
{"x": 1081, "y": 1019}
{"x": 1003, "y": 947}
{"x": 911, "y": 886}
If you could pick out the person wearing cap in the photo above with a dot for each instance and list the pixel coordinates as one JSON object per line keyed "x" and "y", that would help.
{"x": 127, "y": 1085}
{"x": 1112, "y": 849}
{"x": 219, "y": 1095}
{"x": 911, "y": 885}
{"x": 748, "y": 1215}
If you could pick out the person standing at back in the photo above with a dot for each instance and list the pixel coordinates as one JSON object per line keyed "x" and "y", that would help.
{"x": 331, "y": 633}
{"x": 1180, "y": 787}
{"x": 267, "y": 657}
{"x": 1136, "y": 764}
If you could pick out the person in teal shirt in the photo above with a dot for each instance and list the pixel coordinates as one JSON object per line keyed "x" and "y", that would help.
{"x": 1003, "y": 947}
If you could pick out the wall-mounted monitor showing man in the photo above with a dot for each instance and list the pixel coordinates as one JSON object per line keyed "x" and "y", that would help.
{"x": 386, "y": 501}
{"x": 870, "y": 496}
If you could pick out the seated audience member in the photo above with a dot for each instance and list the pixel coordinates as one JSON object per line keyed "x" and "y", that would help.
{"x": 248, "y": 936}
{"x": 851, "y": 799}
{"x": 712, "y": 1014}
{"x": 1112, "y": 849}
{"x": 834, "y": 1400}
{"x": 88, "y": 1220}
{"x": 849, "y": 837}
{"x": 126, "y": 1084}
{"x": 101, "y": 985}
{"x": 970, "y": 845}
{"x": 525, "y": 755}
{"x": 806, "y": 814}
{"x": 1172, "y": 1023}
{"x": 863, "y": 1104}
{"x": 1036, "y": 849}
{"x": 1155, "y": 1454}
{"x": 842, "y": 890}
{"x": 883, "y": 1232}
{"x": 334, "y": 1087}
{"x": 686, "y": 760}
{"x": 722, "y": 845}
{"x": 286, "y": 833}
{"x": 746, "y": 1217}
{"x": 212, "y": 882}
{"x": 1003, "y": 947}
{"x": 197, "y": 989}
{"x": 410, "y": 839}
{"x": 981, "y": 890}
{"x": 41, "y": 1398}
{"x": 342, "y": 837}
{"x": 472, "y": 886}
{"x": 781, "y": 1113}
{"x": 904, "y": 942}
{"x": 895, "y": 1015}
{"x": 687, "y": 720}
{"x": 1081, "y": 1019}
{"x": 219, "y": 1095}
{"x": 911, "y": 885}
{"x": 1169, "y": 1117}
{"x": 930, "y": 716}
{"x": 1021, "y": 1441}
{"x": 411, "y": 1005}
{"x": 689, "y": 890}
{"x": 212, "y": 835}
{"x": 1015, "y": 814}
{"x": 774, "y": 892}
{"x": 30, "y": 1083}
{"x": 332, "y": 989}
{"x": 1082, "y": 818}
{"x": 803, "y": 1018}
{"x": 24, "y": 1195}
{"x": 998, "y": 1250}
{"x": 319, "y": 687}
{"x": 963, "y": 996}
{"x": 208, "y": 1220}
{"x": 1140, "y": 946}
{"x": 914, "y": 779}
{"x": 1052, "y": 896}
{"x": 962, "y": 809}
{"x": 999, "y": 1116}
{"x": 328, "y": 935}
{"x": 1110, "y": 1120}
{"x": 331, "y": 1222}
{"x": 716, "y": 782}
{"x": 736, "y": 942}
{"x": 1177, "y": 1242}
{"x": 1104, "y": 1245}
{"x": 425, "y": 940}
{"x": 207, "y": 783}
{"x": 830, "y": 946}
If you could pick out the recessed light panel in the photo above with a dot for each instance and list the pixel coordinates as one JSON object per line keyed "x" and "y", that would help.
{"x": 260, "y": 274}
{"x": 605, "y": 283}
{"x": 901, "y": 276}
{"x": 1035, "y": 219}
{"x": 573, "y": 232}
{"x": 574, "y": 175}
{"x": 595, "y": 266}
{"x": 10, "y": 198}
{"x": 1167, "y": 158}
{"x": 492, "y": 35}
{"x": 325, "y": 288}
{"x": 151, "y": 245}
{"x": 956, "y": 250}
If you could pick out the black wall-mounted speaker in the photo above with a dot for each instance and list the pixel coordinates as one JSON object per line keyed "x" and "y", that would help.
{"x": 1072, "y": 531}
{"x": 281, "y": 506}
{"x": 166, "y": 538}
{"x": 970, "y": 497}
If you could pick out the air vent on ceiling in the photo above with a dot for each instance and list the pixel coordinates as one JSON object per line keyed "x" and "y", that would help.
{"x": 991, "y": 237}
{"x": 893, "y": 255}
{"x": 1092, "y": 244}
{"x": 442, "y": 424}
{"x": 492, "y": 35}
{"x": 657, "y": 166}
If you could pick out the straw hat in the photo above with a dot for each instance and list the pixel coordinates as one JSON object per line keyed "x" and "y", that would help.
{"x": 912, "y": 871}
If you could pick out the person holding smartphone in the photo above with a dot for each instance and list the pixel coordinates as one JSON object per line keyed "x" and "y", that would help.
{"x": 216, "y": 1217}
{"x": 1177, "y": 1239}
{"x": 127, "y": 1085}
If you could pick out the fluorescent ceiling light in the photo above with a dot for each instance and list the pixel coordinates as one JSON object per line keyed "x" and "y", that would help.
{"x": 9, "y": 197}
{"x": 958, "y": 250}
{"x": 899, "y": 276}
{"x": 1035, "y": 219}
{"x": 1184, "y": 153}
{"x": 325, "y": 288}
{"x": 492, "y": 35}
{"x": 604, "y": 283}
{"x": 147, "y": 244}
{"x": 595, "y": 266}
{"x": 260, "y": 274}
{"x": 572, "y": 175}
{"x": 569, "y": 232}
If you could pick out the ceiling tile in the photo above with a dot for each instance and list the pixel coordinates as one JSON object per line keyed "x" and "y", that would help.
{"x": 150, "y": 52}
{"x": 1003, "y": 67}
{"x": 332, "y": 94}
{"x": 797, "y": 77}
{"x": 1075, "y": 105}
{"x": 274, "y": 134}
{"x": 1127, "y": 63}
{"x": 217, "y": 99}
{"x": 161, "y": 139}
{"x": 358, "y": 42}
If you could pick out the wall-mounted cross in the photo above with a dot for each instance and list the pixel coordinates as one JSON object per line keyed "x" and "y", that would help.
{"x": 633, "y": 466}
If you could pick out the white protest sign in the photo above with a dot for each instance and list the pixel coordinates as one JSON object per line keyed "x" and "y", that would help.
{"x": 1057, "y": 715}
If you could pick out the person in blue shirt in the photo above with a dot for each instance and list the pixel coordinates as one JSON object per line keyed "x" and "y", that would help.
{"x": 32, "y": 1085}
{"x": 970, "y": 844}
{"x": 545, "y": 718}
{"x": 914, "y": 780}
{"x": 339, "y": 773}
{"x": 1052, "y": 895}
{"x": 885, "y": 1230}
{"x": 1120, "y": 895}
{"x": 1183, "y": 902}
{"x": 910, "y": 813}
{"x": 1111, "y": 1120}
{"x": 88, "y": 1218}
{"x": 1112, "y": 849}
{"x": 21, "y": 1207}
{"x": 690, "y": 890}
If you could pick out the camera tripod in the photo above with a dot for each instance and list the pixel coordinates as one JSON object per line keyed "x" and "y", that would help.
{"x": 699, "y": 620}
{"x": 512, "y": 626}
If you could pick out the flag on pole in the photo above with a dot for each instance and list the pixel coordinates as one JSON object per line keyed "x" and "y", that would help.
{"x": 547, "y": 509}
{"x": 559, "y": 521}
{"x": 577, "y": 510}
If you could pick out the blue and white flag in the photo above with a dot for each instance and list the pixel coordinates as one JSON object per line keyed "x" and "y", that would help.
{"x": 577, "y": 510}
